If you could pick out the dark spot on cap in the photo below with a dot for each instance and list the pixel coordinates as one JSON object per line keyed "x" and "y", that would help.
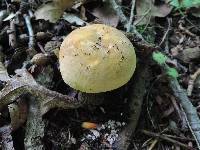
{"x": 98, "y": 44}
{"x": 122, "y": 58}
{"x": 88, "y": 67}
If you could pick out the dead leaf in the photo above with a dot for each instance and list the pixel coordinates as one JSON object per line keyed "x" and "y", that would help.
{"x": 63, "y": 4}
{"x": 189, "y": 54}
{"x": 3, "y": 14}
{"x": 49, "y": 12}
{"x": 54, "y": 10}
{"x": 106, "y": 15}
{"x": 195, "y": 12}
{"x": 146, "y": 10}
{"x": 11, "y": 16}
{"x": 159, "y": 100}
{"x": 168, "y": 112}
{"x": 72, "y": 18}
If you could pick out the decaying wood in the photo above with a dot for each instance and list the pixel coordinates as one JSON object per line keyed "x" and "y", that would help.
{"x": 35, "y": 126}
{"x": 7, "y": 142}
{"x": 17, "y": 86}
{"x": 42, "y": 101}
{"x": 137, "y": 92}
{"x": 190, "y": 110}
{"x": 181, "y": 95}
{"x": 31, "y": 42}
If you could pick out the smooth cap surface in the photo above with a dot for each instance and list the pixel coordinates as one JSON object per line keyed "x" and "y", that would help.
{"x": 96, "y": 58}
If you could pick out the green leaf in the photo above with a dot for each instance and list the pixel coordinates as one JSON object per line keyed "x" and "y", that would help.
{"x": 172, "y": 72}
{"x": 159, "y": 58}
{"x": 185, "y": 3}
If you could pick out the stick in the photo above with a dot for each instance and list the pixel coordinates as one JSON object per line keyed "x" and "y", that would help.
{"x": 31, "y": 43}
{"x": 131, "y": 17}
{"x": 137, "y": 91}
{"x": 157, "y": 135}
{"x": 12, "y": 34}
{"x": 181, "y": 95}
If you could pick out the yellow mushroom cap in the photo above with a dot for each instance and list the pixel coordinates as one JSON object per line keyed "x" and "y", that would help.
{"x": 96, "y": 58}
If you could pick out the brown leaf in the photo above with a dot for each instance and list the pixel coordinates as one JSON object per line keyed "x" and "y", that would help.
{"x": 146, "y": 10}
{"x": 106, "y": 15}
{"x": 49, "y": 12}
{"x": 189, "y": 54}
{"x": 168, "y": 112}
{"x": 54, "y": 10}
{"x": 195, "y": 12}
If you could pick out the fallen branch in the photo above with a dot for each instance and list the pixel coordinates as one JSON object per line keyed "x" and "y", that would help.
{"x": 42, "y": 101}
{"x": 17, "y": 86}
{"x": 181, "y": 95}
{"x": 137, "y": 92}
{"x": 35, "y": 126}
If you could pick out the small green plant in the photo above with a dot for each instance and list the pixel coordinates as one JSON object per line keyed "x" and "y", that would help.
{"x": 160, "y": 58}
{"x": 179, "y": 4}
{"x": 172, "y": 72}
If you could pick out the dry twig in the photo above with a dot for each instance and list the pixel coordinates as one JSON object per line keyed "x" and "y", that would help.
{"x": 163, "y": 137}
{"x": 191, "y": 82}
{"x": 128, "y": 29}
{"x": 124, "y": 20}
{"x": 119, "y": 12}
{"x": 166, "y": 33}
{"x": 189, "y": 109}
{"x": 12, "y": 34}
{"x": 31, "y": 43}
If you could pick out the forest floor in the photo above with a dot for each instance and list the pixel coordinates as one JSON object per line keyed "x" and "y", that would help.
{"x": 145, "y": 114}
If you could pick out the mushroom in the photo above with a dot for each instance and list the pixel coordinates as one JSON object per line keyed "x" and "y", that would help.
{"x": 96, "y": 58}
{"x": 93, "y": 59}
